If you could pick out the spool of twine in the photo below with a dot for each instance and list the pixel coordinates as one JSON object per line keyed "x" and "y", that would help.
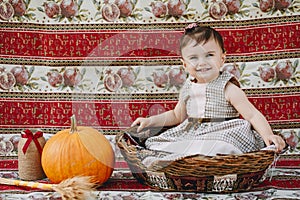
{"x": 29, "y": 163}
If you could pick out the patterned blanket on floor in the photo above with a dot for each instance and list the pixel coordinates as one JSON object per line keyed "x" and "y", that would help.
{"x": 111, "y": 61}
{"x": 282, "y": 181}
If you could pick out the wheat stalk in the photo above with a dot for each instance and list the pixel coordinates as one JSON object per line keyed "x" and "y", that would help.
{"x": 78, "y": 187}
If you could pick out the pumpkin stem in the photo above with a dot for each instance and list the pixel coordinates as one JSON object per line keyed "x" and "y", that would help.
{"x": 73, "y": 124}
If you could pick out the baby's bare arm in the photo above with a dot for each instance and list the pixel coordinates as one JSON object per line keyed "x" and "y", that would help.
{"x": 239, "y": 100}
{"x": 168, "y": 118}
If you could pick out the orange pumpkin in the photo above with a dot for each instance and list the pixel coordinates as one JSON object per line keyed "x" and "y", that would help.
{"x": 78, "y": 151}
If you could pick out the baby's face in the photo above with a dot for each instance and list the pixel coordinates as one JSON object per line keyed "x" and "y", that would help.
{"x": 203, "y": 61}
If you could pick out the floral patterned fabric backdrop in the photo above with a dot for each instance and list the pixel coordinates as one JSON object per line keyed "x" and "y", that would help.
{"x": 111, "y": 61}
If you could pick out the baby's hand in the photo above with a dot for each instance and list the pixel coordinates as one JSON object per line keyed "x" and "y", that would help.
{"x": 141, "y": 122}
{"x": 278, "y": 142}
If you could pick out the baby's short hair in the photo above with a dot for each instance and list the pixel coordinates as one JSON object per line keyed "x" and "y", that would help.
{"x": 200, "y": 34}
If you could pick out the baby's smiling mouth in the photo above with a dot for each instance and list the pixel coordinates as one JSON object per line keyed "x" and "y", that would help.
{"x": 204, "y": 69}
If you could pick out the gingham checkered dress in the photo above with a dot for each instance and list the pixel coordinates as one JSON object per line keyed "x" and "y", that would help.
{"x": 211, "y": 138}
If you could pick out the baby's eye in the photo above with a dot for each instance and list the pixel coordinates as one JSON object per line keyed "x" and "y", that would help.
{"x": 193, "y": 58}
{"x": 210, "y": 54}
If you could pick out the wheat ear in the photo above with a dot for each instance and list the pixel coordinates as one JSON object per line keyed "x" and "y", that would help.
{"x": 78, "y": 187}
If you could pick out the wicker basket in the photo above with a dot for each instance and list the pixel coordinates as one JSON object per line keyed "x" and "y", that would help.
{"x": 215, "y": 174}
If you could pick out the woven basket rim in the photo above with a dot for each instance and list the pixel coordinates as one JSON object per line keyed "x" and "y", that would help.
{"x": 253, "y": 161}
{"x": 198, "y": 173}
